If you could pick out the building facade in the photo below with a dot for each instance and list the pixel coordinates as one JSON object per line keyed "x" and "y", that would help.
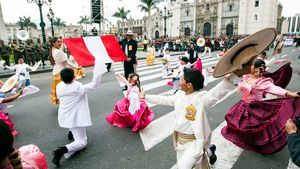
{"x": 3, "y": 34}
{"x": 291, "y": 24}
{"x": 12, "y": 29}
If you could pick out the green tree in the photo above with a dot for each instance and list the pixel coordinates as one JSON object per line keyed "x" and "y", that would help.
{"x": 26, "y": 22}
{"x": 84, "y": 20}
{"x": 121, "y": 14}
{"x": 58, "y": 22}
{"x": 148, "y": 5}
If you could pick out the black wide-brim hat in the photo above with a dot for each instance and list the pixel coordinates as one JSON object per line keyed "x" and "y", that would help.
{"x": 244, "y": 51}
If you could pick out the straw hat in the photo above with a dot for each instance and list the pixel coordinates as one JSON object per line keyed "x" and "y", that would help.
{"x": 164, "y": 60}
{"x": 279, "y": 45}
{"x": 244, "y": 51}
{"x": 9, "y": 84}
{"x": 130, "y": 33}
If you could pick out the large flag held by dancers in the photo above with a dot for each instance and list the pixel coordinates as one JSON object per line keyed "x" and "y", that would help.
{"x": 86, "y": 49}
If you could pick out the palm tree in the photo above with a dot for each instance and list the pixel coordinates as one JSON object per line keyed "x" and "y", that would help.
{"x": 59, "y": 23}
{"x": 149, "y": 5}
{"x": 26, "y": 22}
{"x": 122, "y": 14}
{"x": 84, "y": 20}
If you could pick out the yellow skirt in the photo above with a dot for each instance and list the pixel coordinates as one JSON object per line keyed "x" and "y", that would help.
{"x": 150, "y": 59}
{"x": 53, "y": 97}
{"x": 79, "y": 73}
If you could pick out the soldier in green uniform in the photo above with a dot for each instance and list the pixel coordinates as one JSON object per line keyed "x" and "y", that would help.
{"x": 5, "y": 51}
{"x": 16, "y": 49}
{"x": 39, "y": 48}
{"x": 30, "y": 52}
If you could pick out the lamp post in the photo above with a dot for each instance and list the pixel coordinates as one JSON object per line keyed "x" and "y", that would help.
{"x": 50, "y": 16}
{"x": 165, "y": 14}
{"x": 40, "y": 3}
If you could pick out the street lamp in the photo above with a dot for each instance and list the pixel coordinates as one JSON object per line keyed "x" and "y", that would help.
{"x": 165, "y": 14}
{"x": 40, "y": 3}
{"x": 50, "y": 16}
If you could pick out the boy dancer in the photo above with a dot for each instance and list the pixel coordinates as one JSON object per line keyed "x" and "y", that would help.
{"x": 74, "y": 112}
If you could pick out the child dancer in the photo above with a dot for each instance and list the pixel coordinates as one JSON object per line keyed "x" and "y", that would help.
{"x": 131, "y": 111}
{"x": 74, "y": 112}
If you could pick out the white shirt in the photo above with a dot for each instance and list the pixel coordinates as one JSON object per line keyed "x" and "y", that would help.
{"x": 60, "y": 59}
{"x": 21, "y": 68}
{"x": 74, "y": 108}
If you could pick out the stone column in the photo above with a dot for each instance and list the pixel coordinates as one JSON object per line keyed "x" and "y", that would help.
{"x": 3, "y": 34}
{"x": 195, "y": 18}
{"x": 219, "y": 18}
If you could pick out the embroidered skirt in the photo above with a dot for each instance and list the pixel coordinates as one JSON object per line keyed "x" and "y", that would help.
{"x": 282, "y": 76}
{"x": 53, "y": 97}
{"x": 260, "y": 125}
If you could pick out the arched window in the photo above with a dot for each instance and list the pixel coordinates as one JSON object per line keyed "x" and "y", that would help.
{"x": 230, "y": 7}
{"x": 255, "y": 17}
{"x": 256, "y": 4}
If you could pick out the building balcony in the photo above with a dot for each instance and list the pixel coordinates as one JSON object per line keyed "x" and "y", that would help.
{"x": 230, "y": 14}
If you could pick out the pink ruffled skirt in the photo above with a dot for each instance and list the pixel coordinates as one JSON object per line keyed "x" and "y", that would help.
{"x": 121, "y": 117}
{"x": 8, "y": 122}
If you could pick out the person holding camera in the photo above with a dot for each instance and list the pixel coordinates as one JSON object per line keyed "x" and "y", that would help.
{"x": 293, "y": 141}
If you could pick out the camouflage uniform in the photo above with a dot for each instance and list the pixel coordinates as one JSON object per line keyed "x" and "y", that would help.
{"x": 30, "y": 53}
{"x": 39, "y": 48}
{"x": 17, "y": 51}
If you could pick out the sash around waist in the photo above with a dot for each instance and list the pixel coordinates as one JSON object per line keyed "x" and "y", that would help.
{"x": 185, "y": 138}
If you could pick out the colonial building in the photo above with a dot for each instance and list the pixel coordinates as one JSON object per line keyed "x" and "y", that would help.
{"x": 2, "y": 26}
{"x": 68, "y": 31}
{"x": 12, "y": 29}
{"x": 291, "y": 24}
{"x": 211, "y": 18}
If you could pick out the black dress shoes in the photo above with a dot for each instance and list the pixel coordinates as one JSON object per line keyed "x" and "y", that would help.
{"x": 213, "y": 157}
{"x": 57, "y": 154}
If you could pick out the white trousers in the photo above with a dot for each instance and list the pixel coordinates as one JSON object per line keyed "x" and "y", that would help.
{"x": 292, "y": 165}
{"x": 79, "y": 143}
{"x": 207, "y": 49}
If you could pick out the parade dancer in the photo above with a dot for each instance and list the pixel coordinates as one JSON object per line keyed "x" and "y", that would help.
{"x": 80, "y": 72}
{"x": 73, "y": 111}
{"x": 3, "y": 108}
{"x": 60, "y": 62}
{"x": 131, "y": 111}
{"x": 150, "y": 56}
{"x": 257, "y": 125}
{"x": 191, "y": 128}
{"x": 208, "y": 46}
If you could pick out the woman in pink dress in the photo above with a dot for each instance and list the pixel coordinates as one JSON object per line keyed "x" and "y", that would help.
{"x": 257, "y": 125}
{"x": 131, "y": 111}
{"x": 27, "y": 157}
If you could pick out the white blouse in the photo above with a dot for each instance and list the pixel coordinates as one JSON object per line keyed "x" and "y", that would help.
{"x": 60, "y": 59}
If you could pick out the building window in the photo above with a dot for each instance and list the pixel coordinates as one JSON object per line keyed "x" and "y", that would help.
{"x": 255, "y": 17}
{"x": 187, "y": 12}
{"x": 207, "y": 6}
{"x": 230, "y": 8}
{"x": 256, "y": 3}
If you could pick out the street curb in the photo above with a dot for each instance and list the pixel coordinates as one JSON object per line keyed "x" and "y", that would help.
{"x": 35, "y": 72}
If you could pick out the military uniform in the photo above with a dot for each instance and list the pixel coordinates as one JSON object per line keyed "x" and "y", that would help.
{"x": 5, "y": 51}
{"x": 39, "y": 48}
{"x": 17, "y": 51}
{"x": 30, "y": 53}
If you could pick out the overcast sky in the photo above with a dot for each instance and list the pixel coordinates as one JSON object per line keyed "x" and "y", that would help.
{"x": 70, "y": 10}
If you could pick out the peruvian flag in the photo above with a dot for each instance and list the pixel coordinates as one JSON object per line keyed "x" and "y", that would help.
{"x": 86, "y": 49}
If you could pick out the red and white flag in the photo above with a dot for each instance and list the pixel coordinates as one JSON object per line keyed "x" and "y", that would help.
{"x": 86, "y": 49}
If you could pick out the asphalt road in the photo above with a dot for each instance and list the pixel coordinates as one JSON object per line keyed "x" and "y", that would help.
{"x": 110, "y": 147}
